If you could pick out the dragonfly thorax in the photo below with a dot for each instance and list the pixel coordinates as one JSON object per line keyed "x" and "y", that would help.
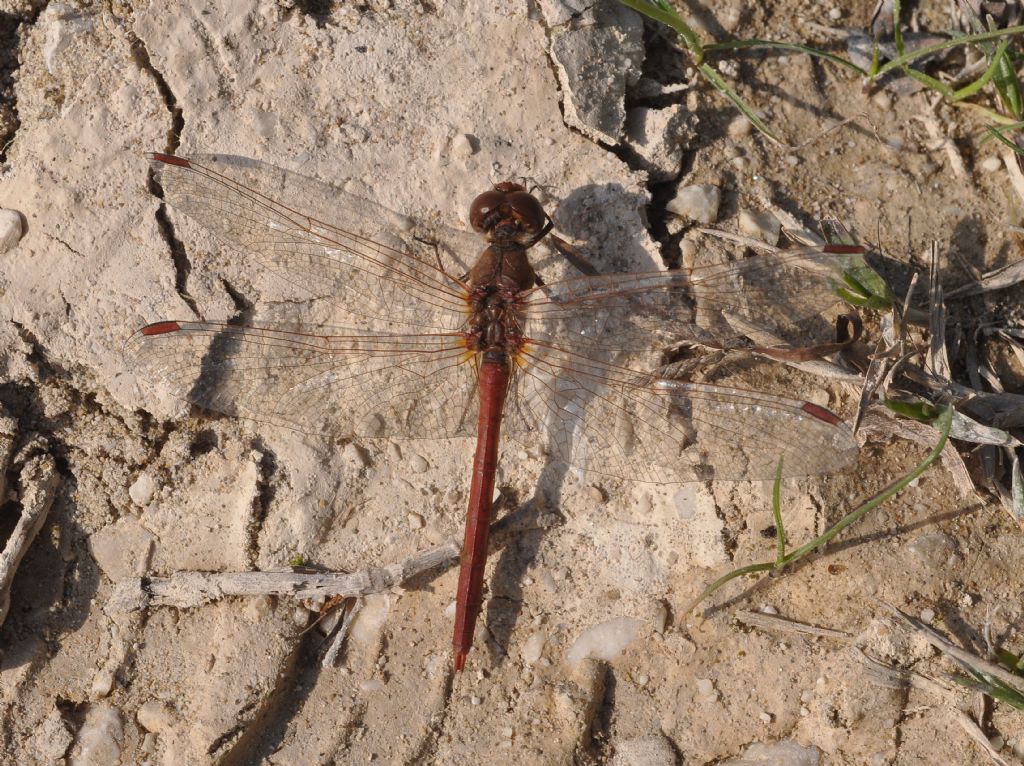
{"x": 496, "y": 322}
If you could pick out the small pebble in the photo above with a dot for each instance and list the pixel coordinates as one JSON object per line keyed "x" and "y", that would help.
{"x": 532, "y": 648}
{"x": 698, "y": 203}
{"x": 372, "y": 425}
{"x": 927, "y": 615}
{"x": 991, "y": 164}
{"x": 835, "y": 14}
{"x": 740, "y": 127}
{"x": 604, "y": 641}
{"x": 141, "y": 491}
{"x": 474, "y": 700}
{"x": 642, "y": 680}
{"x": 99, "y": 738}
{"x": 760, "y": 224}
{"x": 882, "y": 100}
{"x": 740, "y": 163}
{"x": 660, "y": 620}
{"x": 415, "y": 521}
{"x": 371, "y": 685}
{"x": 548, "y": 581}
{"x": 704, "y": 687}
{"x": 102, "y": 684}
{"x": 768, "y": 609}
{"x": 155, "y": 716}
{"x": 462, "y": 146}
{"x": 997, "y": 742}
{"x": 765, "y": 718}
{"x": 418, "y": 464}
{"x": 644, "y": 751}
{"x": 355, "y": 457}
{"x": 10, "y": 229}
{"x": 792, "y": 160}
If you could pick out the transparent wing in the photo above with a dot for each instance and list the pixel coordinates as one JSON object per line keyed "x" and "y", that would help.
{"x": 615, "y": 421}
{"x": 367, "y": 260}
{"x": 643, "y": 313}
{"x": 584, "y": 389}
{"x": 328, "y": 382}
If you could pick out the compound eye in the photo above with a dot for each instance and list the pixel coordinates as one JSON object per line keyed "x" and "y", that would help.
{"x": 528, "y": 210}
{"x": 483, "y": 206}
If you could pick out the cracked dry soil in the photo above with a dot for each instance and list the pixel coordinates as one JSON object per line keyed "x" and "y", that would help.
{"x": 420, "y": 106}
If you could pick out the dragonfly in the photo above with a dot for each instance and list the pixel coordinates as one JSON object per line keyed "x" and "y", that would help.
{"x": 456, "y": 335}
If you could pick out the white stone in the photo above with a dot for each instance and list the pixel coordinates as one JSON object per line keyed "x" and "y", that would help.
{"x": 415, "y": 521}
{"x": 532, "y": 648}
{"x": 142, "y": 489}
{"x": 102, "y": 683}
{"x": 698, "y": 203}
{"x": 644, "y": 751}
{"x": 369, "y": 620}
{"x": 99, "y": 739}
{"x": 10, "y": 229}
{"x": 462, "y": 146}
{"x": 355, "y": 457}
{"x": 122, "y": 549}
{"x": 785, "y": 752}
{"x": 760, "y": 224}
{"x": 704, "y": 687}
{"x": 991, "y": 164}
{"x": 418, "y": 464}
{"x": 604, "y": 641}
{"x": 155, "y": 716}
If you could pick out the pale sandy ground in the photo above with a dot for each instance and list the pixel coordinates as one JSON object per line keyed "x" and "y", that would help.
{"x": 381, "y": 99}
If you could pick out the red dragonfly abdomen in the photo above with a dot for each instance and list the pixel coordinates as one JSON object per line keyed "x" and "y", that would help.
{"x": 494, "y": 377}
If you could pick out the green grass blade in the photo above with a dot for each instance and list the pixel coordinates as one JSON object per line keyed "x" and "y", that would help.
{"x": 780, "y": 530}
{"x": 719, "y": 82}
{"x": 944, "y": 422}
{"x": 926, "y": 50}
{"x": 731, "y": 45}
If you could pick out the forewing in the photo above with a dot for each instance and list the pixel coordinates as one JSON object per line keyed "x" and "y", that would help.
{"x": 367, "y": 260}
{"x": 328, "y": 383}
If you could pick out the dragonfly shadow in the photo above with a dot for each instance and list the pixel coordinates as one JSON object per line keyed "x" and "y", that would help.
{"x": 605, "y": 213}
{"x": 519, "y": 535}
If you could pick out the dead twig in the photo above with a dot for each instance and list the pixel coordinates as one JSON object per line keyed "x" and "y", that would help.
{"x": 192, "y": 589}
{"x": 39, "y": 480}
{"x": 774, "y": 622}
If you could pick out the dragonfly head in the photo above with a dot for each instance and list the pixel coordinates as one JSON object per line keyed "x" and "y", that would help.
{"x": 507, "y": 211}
